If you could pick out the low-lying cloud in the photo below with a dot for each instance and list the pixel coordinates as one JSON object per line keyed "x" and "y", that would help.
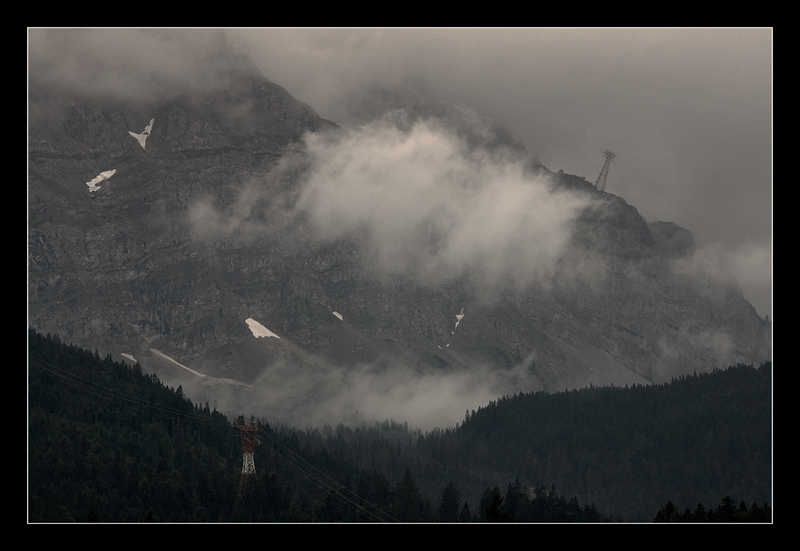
{"x": 132, "y": 64}
{"x": 424, "y": 201}
{"x": 379, "y": 392}
{"x": 743, "y": 267}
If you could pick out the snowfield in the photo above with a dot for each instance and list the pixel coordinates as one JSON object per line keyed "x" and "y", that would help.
{"x": 259, "y": 330}
{"x": 93, "y": 184}
{"x": 458, "y": 319}
{"x": 142, "y": 138}
{"x": 190, "y": 370}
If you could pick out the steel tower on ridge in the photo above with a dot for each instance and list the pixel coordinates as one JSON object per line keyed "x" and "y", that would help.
{"x": 600, "y": 183}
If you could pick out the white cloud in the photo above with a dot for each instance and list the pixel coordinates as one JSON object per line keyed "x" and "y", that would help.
{"x": 749, "y": 266}
{"x": 422, "y": 200}
{"x": 381, "y": 392}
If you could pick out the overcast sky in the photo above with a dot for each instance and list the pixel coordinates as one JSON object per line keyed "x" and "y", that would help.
{"x": 687, "y": 111}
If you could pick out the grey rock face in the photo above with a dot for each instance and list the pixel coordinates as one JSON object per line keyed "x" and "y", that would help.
{"x": 147, "y": 261}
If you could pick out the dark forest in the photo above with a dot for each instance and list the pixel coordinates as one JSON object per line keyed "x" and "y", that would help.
{"x": 109, "y": 443}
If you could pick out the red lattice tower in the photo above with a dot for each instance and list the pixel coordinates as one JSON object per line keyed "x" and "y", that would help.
{"x": 247, "y": 432}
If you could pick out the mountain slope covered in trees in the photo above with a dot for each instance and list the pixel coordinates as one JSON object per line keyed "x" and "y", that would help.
{"x": 109, "y": 442}
{"x": 698, "y": 438}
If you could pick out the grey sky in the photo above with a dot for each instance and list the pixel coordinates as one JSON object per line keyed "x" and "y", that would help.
{"x": 687, "y": 111}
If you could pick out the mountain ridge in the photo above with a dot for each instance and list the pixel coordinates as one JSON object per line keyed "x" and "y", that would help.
{"x": 195, "y": 232}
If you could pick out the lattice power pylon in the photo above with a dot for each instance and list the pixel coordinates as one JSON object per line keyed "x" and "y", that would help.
{"x": 247, "y": 432}
{"x": 600, "y": 184}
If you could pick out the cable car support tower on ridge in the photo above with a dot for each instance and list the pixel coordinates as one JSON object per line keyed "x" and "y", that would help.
{"x": 600, "y": 183}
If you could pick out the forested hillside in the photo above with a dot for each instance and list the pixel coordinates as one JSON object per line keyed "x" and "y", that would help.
{"x": 628, "y": 450}
{"x": 107, "y": 442}
{"x": 631, "y": 449}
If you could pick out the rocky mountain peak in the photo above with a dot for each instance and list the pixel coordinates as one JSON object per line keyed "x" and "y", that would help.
{"x": 189, "y": 238}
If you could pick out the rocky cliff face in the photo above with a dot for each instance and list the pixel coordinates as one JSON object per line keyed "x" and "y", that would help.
{"x": 192, "y": 235}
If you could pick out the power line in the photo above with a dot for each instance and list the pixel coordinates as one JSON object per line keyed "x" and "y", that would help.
{"x": 334, "y": 486}
{"x": 293, "y": 460}
{"x": 120, "y": 398}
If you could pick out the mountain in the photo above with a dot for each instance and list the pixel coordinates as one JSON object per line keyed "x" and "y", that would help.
{"x": 189, "y": 233}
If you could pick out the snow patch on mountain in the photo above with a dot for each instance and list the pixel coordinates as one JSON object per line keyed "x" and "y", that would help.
{"x": 207, "y": 381}
{"x": 190, "y": 370}
{"x": 142, "y": 138}
{"x": 94, "y": 183}
{"x": 458, "y": 319}
{"x": 259, "y": 330}
{"x": 131, "y": 358}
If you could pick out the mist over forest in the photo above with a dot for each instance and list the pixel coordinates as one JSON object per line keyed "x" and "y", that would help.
{"x": 358, "y": 236}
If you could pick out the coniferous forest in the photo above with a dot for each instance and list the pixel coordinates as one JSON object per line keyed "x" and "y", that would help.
{"x": 108, "y": 443}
